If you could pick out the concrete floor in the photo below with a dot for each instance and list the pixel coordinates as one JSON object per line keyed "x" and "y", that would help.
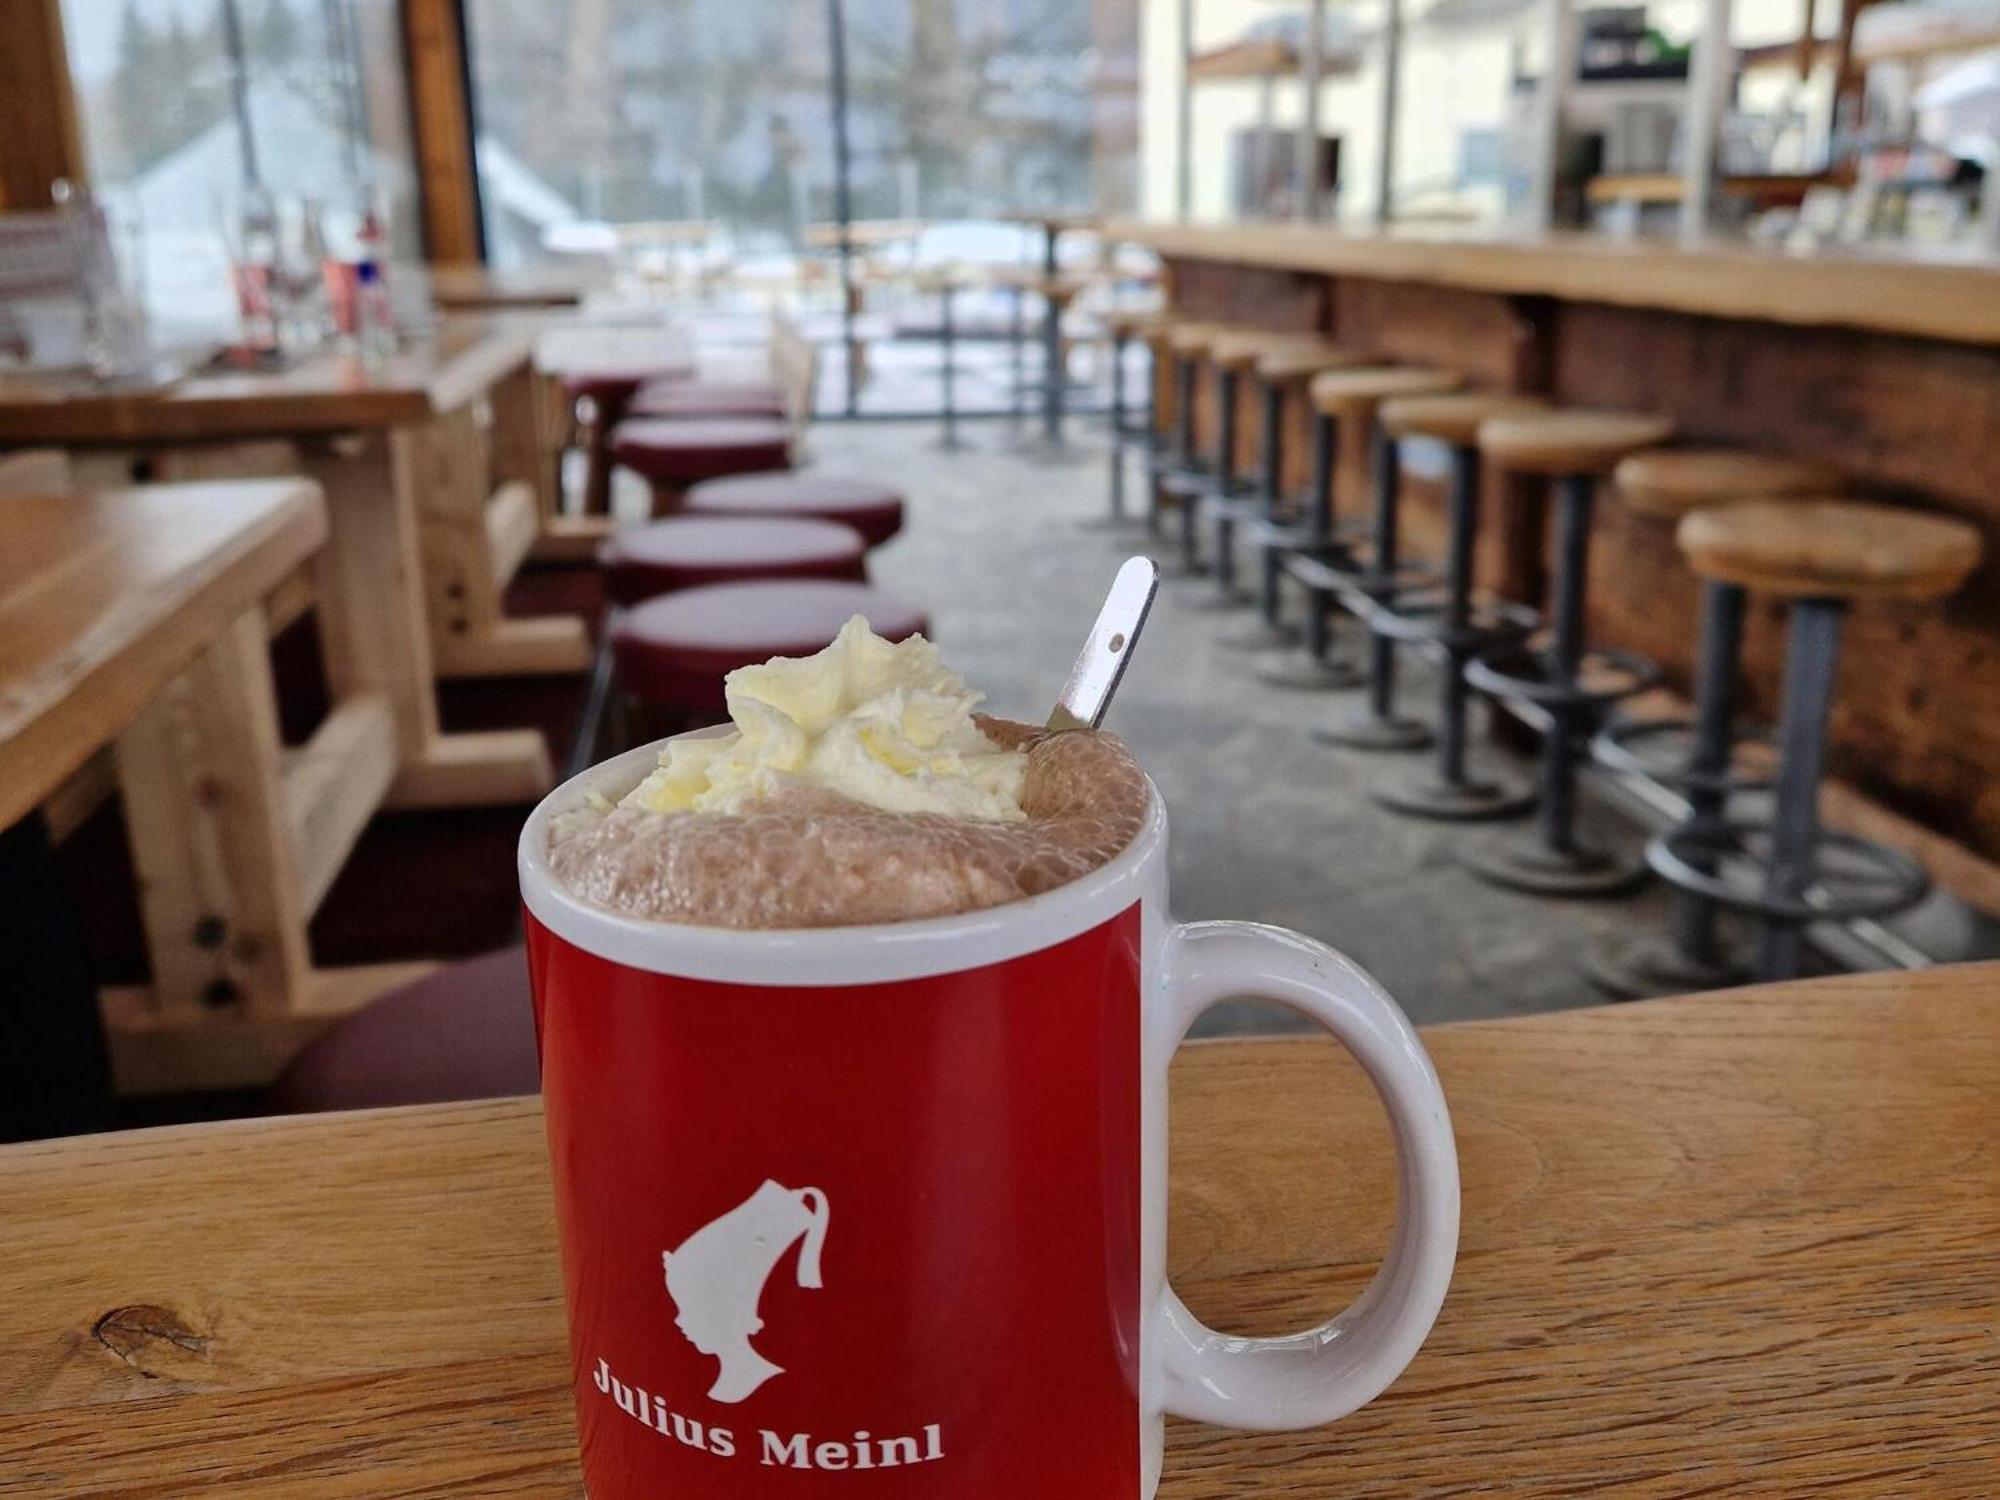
{"x": 1268, "y": 824}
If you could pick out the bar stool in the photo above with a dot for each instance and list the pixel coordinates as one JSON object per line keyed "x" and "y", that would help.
{"x": 466, "y": 1031}
{"x": 1283, "y": 373}
{"x": 1461, "y": 628}
{"x": 1696, "y": 757}
{"x": 686, "y": 552}
{"x": 673, "y": 652}
{"x": 943, "y": 283}
{"x": 707, "y": 398}
{"x": 1821, "y": 557}
{"x": 1344, "y": 404}
{"x": 1180, "y": 480}
{"x": 1057, "y": 291}
{"x": 1232, "y": 496}
{"x": 1014, "y": 280}
{"x": 1125, "y": 325}
{"x": 597, "y": 399}
{"x": 674, "y": 454}
{"x": 1571, "y": 687}
{"x": 869, "y": 506}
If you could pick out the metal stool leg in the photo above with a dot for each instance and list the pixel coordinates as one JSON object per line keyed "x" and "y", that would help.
{"x": 1055, "y": 373}
{"x": 1117, "y": 517}
{"x": 1017, "y": 339}
{"x": 1812, "y": 660}
{"x": 1555, "y": 862}
{"x": 1375, "y": 725}
{"x": 1692, "y": 954}
{"x": 1189, "y": 491}
{"x": 1448, "y": 790}
{"x": 1220, "y": 496}
{"x": 1319, "y": 669}
{"x": 948, "y": 373}
{"x": 1271, "y": 630}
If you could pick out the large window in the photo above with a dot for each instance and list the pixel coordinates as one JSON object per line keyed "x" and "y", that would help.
{"x": 594, "y": 114}
{"x": 187, "y": 103}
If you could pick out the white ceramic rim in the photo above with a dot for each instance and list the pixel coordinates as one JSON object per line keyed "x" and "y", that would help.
{"x": 820, "y": 957}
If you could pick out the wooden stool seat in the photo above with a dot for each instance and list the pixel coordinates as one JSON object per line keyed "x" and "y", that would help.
{"x": 1350, "y": 393}
{"x": 1830, "y": 549}
{"x": 1674, "y": 481}
{"x": 933, "y": 280}
{"x": 1569, "y": 441}
{"x": 1135, "y": 322}
{"x": 869, "y": 506}
{"x": 1451, "y": 419}
{"x": 674, "y": 651}
{"x": 1298, "y": 362}
{"x": 1240, "y": 349}
{"x": 1195, "y": 340}
{"x": 1061, "y": 288}
{"x": 687, "y": 552}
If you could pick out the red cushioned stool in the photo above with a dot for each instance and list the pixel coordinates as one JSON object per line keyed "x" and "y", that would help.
{"x": 707, "y": 398}
{"x": 674, "y": 453}
{"x": 673, "y": 652}
{"x": 872, "y": 508}
{"x": 465, "y": 1032}
{"x": 686, "y": 552}
{"x": 598, "y": 397}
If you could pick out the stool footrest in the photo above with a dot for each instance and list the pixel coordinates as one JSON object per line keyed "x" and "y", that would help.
{"x": 1329, "y": 571}
{"x": 1659, "y": 750}
{"x": 1878, "y": 882}
{"x": 1489, "y": 623}
{"x": 1523, "y": 672}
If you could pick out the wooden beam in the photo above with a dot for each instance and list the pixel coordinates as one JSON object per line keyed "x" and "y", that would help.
{"x": 434, "y": 42}
{"x": 39, "y": 141}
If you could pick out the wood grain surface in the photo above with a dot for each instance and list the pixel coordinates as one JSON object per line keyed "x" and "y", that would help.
{"x": 331, "y": 391}
{"x": 105, "y": 596}
{"x": 1930, "y": 296}
{"x": 1739, "y": 1244}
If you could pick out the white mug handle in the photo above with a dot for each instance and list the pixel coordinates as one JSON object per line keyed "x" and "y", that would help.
{"x": 1310, "y": 1378}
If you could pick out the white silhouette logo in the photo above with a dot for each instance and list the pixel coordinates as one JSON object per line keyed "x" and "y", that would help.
{"x": 717, "y": 1277}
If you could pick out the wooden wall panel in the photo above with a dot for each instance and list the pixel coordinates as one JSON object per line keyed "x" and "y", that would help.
{"x": 39, "y": 141}
{"x": 1917, "y": 719}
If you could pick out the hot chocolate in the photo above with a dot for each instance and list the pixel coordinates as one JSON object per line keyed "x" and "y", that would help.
{"x": 858, "y": 786}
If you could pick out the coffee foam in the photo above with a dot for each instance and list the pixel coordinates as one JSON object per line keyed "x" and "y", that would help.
{"x": 806, "y": 857}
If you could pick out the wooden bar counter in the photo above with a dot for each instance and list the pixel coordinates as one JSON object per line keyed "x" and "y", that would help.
{"x": 1887, "y": 365}
{"x": 1736, "y": 1244}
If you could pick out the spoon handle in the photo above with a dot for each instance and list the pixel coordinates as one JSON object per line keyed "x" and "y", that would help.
{"x": 1108, "y": 648}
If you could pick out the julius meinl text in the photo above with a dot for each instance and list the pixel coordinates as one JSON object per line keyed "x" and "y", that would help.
{"x": 796, "y": 1450}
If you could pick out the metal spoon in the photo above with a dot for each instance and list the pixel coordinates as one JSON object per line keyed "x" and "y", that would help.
{"x": 1108, "y": 648}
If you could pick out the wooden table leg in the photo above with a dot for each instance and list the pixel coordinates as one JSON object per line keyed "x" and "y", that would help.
{"x": 376, "y": 640}
{"x": 474, "y": 539}
{"x": 235, "y": 840}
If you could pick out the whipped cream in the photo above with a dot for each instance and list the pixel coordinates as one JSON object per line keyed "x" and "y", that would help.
{"x": 884, "y": 723}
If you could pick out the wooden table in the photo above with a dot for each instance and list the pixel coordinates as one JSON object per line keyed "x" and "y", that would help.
{"x": 439, "y": 470}
{"x": 138, "y": 618}
{"x": 1739, "y": 1244}
{"x": 475, "y": 288}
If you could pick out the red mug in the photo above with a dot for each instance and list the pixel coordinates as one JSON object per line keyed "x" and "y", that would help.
{"x": 893, "y": 1199}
